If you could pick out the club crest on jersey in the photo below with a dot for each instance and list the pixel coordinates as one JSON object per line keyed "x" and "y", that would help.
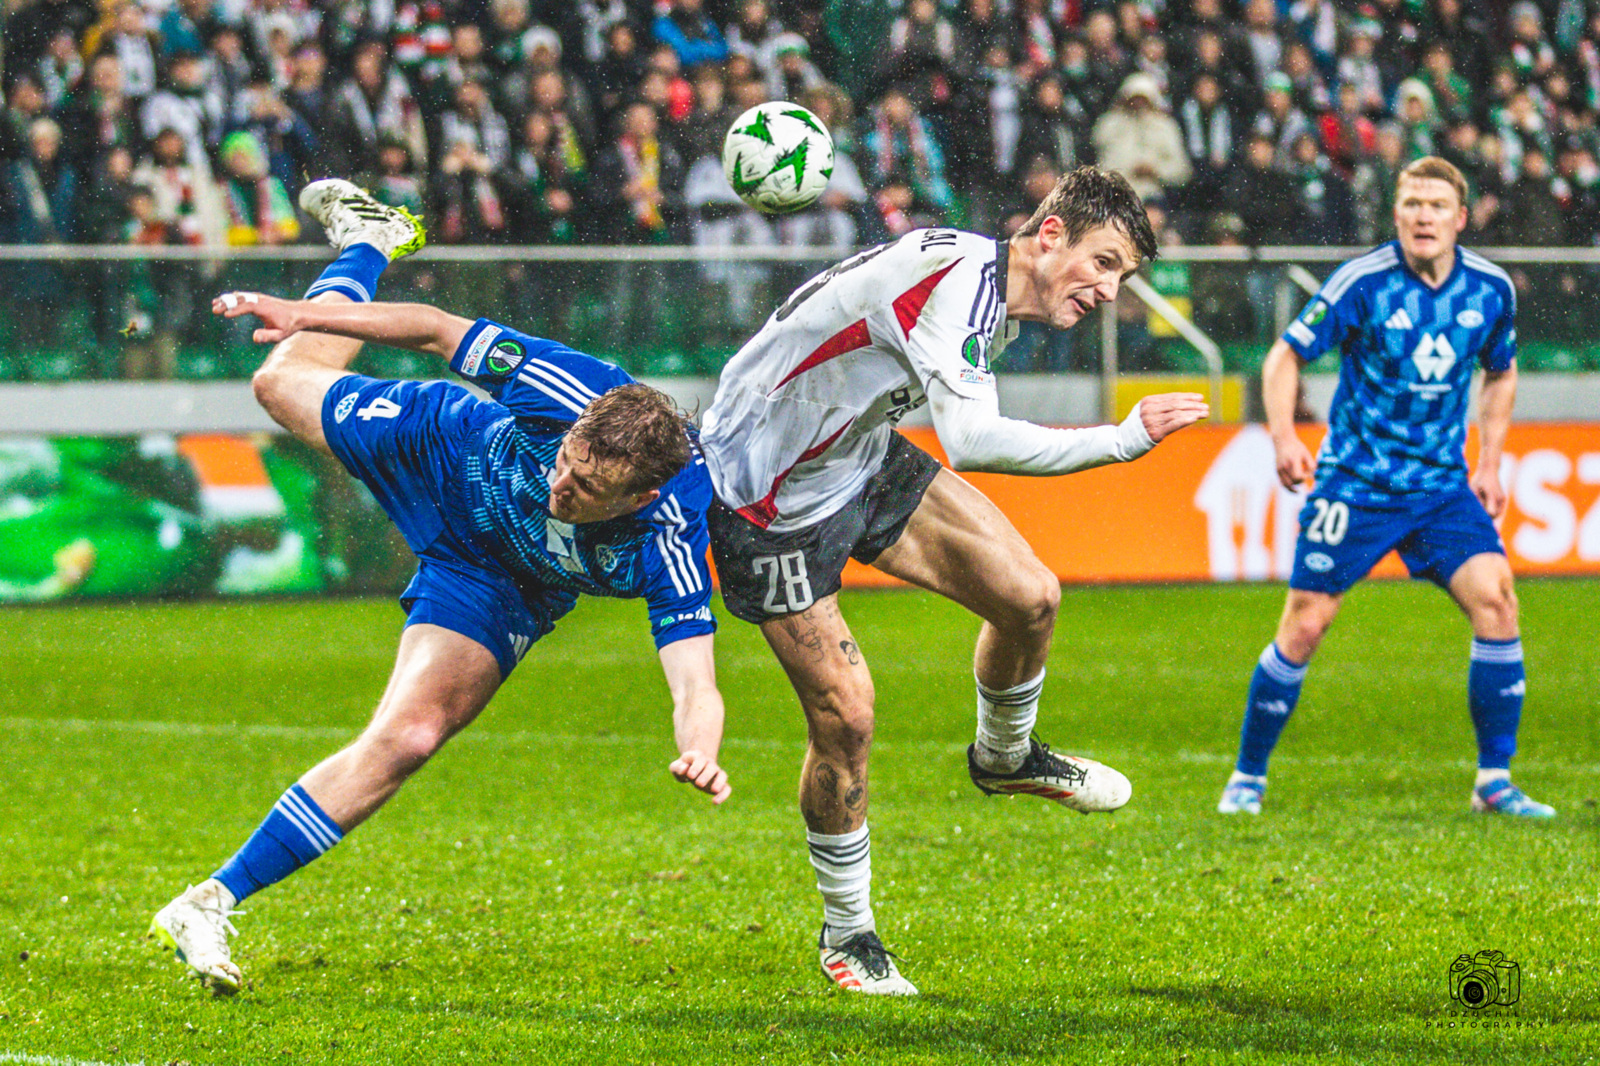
{"x": 1315, "y": 313}
{"x": 606, "y": 557}
{"x": 1469, "y": 319}
{"x": 1434, "y": 356}
{"x": 504, "y": 357}
{"x": 346, "y": 405}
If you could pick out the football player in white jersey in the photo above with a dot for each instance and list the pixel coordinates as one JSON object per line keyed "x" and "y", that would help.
{"x": 809, "y": 472}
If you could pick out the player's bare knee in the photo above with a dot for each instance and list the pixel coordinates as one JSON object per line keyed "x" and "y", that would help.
{"x": 841, "y": 720}
{"x": 404, "y": 746}
{"x": 1495, "y": 615}
{"x": 1033, "y": 605}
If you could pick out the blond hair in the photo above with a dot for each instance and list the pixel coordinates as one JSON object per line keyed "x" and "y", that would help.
{"x": 1431, "y": 166}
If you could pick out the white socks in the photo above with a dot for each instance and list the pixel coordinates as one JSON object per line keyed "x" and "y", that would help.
{"x": 844, "y": 877}
{"x": 1005, "y": 721}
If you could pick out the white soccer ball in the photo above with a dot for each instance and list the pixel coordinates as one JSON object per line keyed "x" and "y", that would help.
{"x": 778, "y": 157}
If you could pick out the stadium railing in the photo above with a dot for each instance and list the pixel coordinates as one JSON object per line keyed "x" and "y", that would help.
{"x": 71, "y": 312}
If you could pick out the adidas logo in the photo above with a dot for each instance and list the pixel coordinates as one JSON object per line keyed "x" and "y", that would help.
{"x": 1398, "y": 320}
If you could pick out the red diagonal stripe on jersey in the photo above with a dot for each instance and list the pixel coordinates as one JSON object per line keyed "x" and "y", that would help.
{"x": 850, "y": 338}
{"x": 765, "y": 510}
{"x": 908, "y": 306}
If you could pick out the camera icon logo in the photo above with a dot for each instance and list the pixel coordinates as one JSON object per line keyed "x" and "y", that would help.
{"x": 1485, "y": 979}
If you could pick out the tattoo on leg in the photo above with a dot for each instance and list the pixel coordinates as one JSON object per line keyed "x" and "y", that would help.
{"x": 856, "y": 797}
{"x": 827, "y": 779}
{"x": 806, "y": 636}
{"x": 851, "y": 652}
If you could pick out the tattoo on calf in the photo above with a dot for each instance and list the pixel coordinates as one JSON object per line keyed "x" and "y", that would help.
{"x": 856, "y": 797}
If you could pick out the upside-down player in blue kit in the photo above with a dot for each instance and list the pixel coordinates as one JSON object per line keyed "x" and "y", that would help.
{"x": 572, "y": 479}
{"x": 1411, "y": 319}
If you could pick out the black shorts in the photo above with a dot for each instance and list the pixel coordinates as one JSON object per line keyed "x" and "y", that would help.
{"x": 767, "y": 575}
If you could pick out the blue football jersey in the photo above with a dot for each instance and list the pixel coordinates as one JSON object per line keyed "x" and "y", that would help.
{"x": 1398, "y": 425}
{"x": 658, "y": 553}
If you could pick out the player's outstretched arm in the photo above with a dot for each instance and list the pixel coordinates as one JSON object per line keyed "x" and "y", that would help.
{"x": 977, "y": 437}
{"x": 1280, "y": 389}
{"x": 696, "y": 715}
{"x": 418, "y": 327}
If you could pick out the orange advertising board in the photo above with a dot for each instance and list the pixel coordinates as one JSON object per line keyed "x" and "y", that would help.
{"x": 1206, "y": 506}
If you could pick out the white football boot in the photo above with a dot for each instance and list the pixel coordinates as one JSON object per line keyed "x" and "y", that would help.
{"x": 350, "y": 215}
{"x": 1084, "y": 785}
{"x": 1500, "y": 796}
{"x": 1242, "y": 795}
{"x": 196, "y": 927}
{"x": 863, "y": 964}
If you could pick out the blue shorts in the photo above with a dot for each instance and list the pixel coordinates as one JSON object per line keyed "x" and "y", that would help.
{"x": 1340, "y": 542}
{"x": 404, "y": 440}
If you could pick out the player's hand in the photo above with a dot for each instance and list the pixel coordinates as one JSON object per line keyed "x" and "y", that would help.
{"x": 1295, "y": 464}
{"x": 1486, "y": 486}
{"x": 702, "y": 771}
{"x": 279, "y": 318}
{"x": 1168, "y": 412}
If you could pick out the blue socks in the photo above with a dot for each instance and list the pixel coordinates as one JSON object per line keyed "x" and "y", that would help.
{"x": 355, "y": 273}
{"x": 1274, "y": 690}
{"x": 295, "y": 832}
{"x": 1495, "y": 686}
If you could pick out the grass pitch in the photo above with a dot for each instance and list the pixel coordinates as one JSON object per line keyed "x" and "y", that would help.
{"x": 544, "y": 892}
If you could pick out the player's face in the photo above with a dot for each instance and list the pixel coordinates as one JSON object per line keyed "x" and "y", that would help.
{"x": 586, "y": 490}
{"x": 1428, "y": 216}
{"x": 1075, "y": 278}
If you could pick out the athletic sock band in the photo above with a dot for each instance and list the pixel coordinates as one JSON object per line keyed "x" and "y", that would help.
{"x": 295, "y": 832}
{"x": 1006, "y": 718}
{"x": 843, "y": 863}
{"x": 355, "y": 274}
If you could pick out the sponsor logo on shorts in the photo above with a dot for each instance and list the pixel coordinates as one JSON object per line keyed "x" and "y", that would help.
{"x": 1469, "y": 319}
{"x": 346, "y": 405}
{"x": 473, "y": 360}
{"x": 504, "y": 358}
{"x": 1319, "y": 562}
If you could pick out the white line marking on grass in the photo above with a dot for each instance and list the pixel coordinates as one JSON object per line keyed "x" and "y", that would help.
{"x": 54, "y": 1060}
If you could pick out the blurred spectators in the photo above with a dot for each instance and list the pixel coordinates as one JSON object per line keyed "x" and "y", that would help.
{"x": 1139, "y": 140}
{"x": 972, "y": 99}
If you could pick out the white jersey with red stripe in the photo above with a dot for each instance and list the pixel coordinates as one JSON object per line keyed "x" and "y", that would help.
{"x": 803, "y": 412}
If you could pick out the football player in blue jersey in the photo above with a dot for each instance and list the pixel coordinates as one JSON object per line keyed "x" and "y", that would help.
{"x": 571, "y": 479}
{"x": 1411, "y": 320}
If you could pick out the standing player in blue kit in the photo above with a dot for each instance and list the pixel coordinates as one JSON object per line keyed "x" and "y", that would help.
{"x": 1412, "y": 320}
{"x": 572, "y": 479}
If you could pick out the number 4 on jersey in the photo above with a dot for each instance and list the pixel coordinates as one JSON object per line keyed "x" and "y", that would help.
{"x": 382, "y": 407}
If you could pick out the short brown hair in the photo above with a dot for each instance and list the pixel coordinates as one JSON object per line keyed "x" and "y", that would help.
{"x": 1431, "y": 166}
{"x": 640, "y": 428}
{"x": 1090, "y": 197}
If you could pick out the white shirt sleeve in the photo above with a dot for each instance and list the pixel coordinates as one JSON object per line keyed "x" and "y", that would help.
{"x": 976, "y": 437}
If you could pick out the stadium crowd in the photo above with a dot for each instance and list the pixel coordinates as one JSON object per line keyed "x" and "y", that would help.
{"x": 196, "y": 122}
{"x": 544, "y": 121}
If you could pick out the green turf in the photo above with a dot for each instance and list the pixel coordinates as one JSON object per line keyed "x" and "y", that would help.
{"x": 543, "y": 892}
